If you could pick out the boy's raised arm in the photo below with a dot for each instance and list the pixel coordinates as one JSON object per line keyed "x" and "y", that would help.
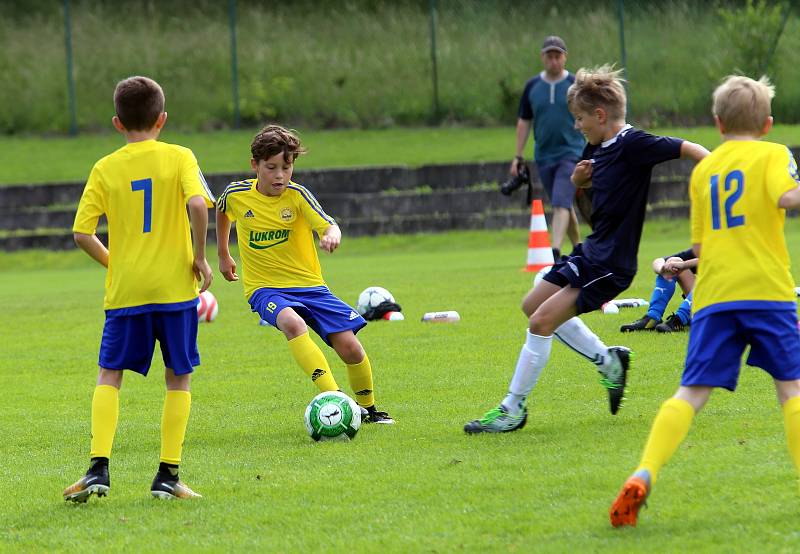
{"x": 693, "y": 151}
{"x": 198, "y": 215}
{"x": 227, "y": 265}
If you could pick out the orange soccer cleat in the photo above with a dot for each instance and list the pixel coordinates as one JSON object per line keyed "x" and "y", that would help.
{"x": 625, "y": 508}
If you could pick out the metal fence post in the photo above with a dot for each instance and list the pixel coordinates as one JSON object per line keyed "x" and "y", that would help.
{"x": 625, "y": 73}
{"x": 234, "y": 64}
{"x": 73, "y": 120}
{"x": 434, "y": 70}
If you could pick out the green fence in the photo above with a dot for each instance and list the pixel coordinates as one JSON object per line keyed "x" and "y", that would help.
{"x": 373, "y": 63}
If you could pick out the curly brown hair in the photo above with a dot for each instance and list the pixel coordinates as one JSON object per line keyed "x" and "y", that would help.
{"x": 138, "y": 102}
{"x": 274, "y": 139}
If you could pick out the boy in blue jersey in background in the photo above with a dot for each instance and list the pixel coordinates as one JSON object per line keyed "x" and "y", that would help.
{"x": 617, "y": 163}
{"x": 275, "y": 221}
{"x": 154, "y": 263}
{"x": 671, "y": 271}
{"x": 739, "y": 197}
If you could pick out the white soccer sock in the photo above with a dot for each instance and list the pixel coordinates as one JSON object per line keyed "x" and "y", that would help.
{"x": 575, "y": 334}
{"x": 532, "y": 359}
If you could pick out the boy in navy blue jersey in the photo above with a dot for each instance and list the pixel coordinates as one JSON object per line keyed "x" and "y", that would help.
{"x": 617, "y": 163}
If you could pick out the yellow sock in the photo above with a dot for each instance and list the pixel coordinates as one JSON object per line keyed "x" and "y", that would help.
{"x": 105, "y": 413}
{"x": 791, "y": 420}
{"x": 360, "y": 377}
{"x": 313, "y": 362}
{"x": 177, "y": 405}
{"x": 669, "y": 429}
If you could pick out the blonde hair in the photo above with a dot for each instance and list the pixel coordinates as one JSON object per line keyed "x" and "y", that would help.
{"x": 599, "y": 87}
{"x": 742, "y": 104}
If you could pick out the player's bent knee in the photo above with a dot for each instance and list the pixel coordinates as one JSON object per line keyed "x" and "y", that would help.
{"x": 291, "y": 324}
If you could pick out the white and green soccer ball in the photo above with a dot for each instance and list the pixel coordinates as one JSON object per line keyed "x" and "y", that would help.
{"x": 372, "y": 297}
{"x": 332, "y": 416}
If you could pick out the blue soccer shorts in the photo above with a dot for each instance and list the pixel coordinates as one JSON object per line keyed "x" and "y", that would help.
{"x": 129, "y": 340}
{"x": 557, "y": 183}
{"x": 598, "y": 285}
{"x": 717, "y": 341}
{"x": 319, "y": 308}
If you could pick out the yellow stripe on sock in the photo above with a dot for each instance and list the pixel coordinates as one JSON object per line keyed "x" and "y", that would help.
{"x": 791, "y": 421}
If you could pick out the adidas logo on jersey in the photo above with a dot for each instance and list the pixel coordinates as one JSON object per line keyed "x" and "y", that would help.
{"x": 249, "y": 213}
{"x": 353, "y": 315}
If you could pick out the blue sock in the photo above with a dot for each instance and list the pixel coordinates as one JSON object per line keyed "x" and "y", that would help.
{"x": 685, "y": 310}
{"x": 662, "y": 294}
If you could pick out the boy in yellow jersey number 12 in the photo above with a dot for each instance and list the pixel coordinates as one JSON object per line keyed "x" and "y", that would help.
{"x": 739, "y": 194}
{"x": 283, "y": 280}
{"x": 154, "y": 264}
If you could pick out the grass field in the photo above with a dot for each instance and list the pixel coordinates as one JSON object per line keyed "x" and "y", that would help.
{"x": 421, "y": 485}
{"x": 71, "y": 159}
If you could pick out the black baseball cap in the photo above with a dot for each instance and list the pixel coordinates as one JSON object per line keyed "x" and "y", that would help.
{"x": 554, "y": 43}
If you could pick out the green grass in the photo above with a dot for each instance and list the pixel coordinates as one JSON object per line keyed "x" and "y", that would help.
{"x": 367, "y": 63}
{"x": 71, "y": 159}
{"x": 421, "y": 485}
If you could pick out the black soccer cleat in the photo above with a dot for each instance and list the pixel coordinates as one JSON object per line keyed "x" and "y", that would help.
{"x": 167, "y": 488}
{"x": 372, "y": 415}
{"x": 615, "y": 376}
{"x": 644, "y": 324}
{"x": 96, "y": 481}
{"x": 671, "y": 325}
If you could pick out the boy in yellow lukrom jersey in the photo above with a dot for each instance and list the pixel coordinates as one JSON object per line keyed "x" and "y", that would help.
{"x": 739, "y": 194}
{"x": 283, "y": 281}
{"x": 153, "y": 266}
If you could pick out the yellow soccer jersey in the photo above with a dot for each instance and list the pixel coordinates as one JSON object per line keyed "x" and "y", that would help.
{"x": 142, "y": 188}
{"x": 735, "y": 218}
{"x": 275, "y": 236}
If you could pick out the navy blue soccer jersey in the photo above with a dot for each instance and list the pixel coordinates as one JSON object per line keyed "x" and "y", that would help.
{"x": 554, "y": 134}
{"x": 621, "y": 171}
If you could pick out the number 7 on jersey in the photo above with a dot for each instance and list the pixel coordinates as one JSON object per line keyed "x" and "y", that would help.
{"x": 146, "y": 186}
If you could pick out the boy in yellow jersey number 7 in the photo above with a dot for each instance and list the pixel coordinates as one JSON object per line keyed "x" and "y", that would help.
{"x": 154, "y": 263}
{"x": 283, "y": 281}
{"x": 739, "y": 194}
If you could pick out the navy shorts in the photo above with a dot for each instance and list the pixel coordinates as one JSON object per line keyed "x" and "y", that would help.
{"x": 717, "y": 341}
{"x": 129, "y": 341}
{"x": 598, "y": 285}
{"x": 556, "y": 181}
{"x": 319, "y": 308}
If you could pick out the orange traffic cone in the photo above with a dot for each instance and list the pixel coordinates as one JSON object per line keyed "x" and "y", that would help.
{"x": 540, "y": 254}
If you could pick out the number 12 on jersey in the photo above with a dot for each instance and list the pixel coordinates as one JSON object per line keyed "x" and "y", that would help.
{"x": 731, "y": 220}
{"x": 146, "y": 186}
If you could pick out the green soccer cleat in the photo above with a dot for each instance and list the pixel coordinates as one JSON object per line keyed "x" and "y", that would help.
{"x": 497, "y": 420}
{"x": 615, "y": 376}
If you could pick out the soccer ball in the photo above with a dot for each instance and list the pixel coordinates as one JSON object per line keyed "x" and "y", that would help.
{"x": 207, "y": 307}
{"x": 333, "y": 416}
{"x": 372, "y": 297}
{"x": 539, "y": 276}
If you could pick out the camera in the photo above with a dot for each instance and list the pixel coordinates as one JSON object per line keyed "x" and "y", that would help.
{"x": 523, "y": 177}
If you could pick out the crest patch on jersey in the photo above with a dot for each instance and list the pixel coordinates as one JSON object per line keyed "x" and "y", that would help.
{"x": 287, "y": 214}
